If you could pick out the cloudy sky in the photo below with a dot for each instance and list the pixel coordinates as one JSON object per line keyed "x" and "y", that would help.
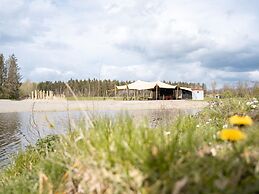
{"x": 177, "y": 40}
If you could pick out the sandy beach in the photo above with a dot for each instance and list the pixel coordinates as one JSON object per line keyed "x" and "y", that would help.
{"x": 64, "y": 105}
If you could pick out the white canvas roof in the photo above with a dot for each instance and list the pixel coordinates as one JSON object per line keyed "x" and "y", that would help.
{"x": 184, "y": 88}
{"x": 124, "y": 87}
{"x": 164, "y": 85}
{"x": 142, "y": 85}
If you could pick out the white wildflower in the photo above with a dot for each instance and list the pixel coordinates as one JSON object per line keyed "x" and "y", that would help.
{"x": 167, "y": 132}
{"x": 253, "y": 106}
{"x": 248, "y": 103}
{"x": 225, "y": 126}
{"x": 213, "y": 152}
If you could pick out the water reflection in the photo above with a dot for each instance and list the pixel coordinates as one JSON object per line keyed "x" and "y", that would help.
{"x": 40, "y": 124}
{"x": 9, "y": 136}
{"x": 17, "y": 130}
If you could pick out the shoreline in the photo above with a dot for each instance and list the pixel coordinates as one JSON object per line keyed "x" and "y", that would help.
{"x": 9, "y": 106}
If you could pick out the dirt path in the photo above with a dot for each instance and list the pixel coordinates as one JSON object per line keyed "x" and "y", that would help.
{"x": 63, "y": 105}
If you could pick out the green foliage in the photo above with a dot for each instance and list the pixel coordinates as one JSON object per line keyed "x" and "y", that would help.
{"x": 47, "y": 144}
{"x": 13, "y": 80}
{"x": 228, "y": 94}
{"x": 82, "y": 88}
{"x": 256, "y": 90}
{"x": 26, "y": 88}
{"x": 240, "y": 90}
{"x": 3, "y": 75}
{"x": 22, "y": 175}
{"x": 119, "y": 156}
{"x": 10, "y": 78}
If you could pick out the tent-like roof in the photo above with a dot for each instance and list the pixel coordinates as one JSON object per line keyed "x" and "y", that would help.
{"x": 142, "y": 85}
{"x": 184, "y": 88}
{"x": 164, "y": 85}
{"x": 124, "y": 87}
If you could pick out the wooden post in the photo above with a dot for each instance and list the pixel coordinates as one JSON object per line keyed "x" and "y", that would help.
{"x": 51, "y": 94}
{"x": 36, "y": 94}
{"x": 156, "y": 91}
{"x": 47, "y": 94}
{"x": 177, "y": 93}
{"x": 115, "y": 90}
{"x": 40, "y": 94}
{"x": 89, "y": 89}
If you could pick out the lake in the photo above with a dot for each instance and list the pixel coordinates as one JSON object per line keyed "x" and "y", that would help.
{"x": 18, "y": 130}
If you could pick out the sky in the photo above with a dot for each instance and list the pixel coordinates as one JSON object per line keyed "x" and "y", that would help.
{"x": 174, "y": 40}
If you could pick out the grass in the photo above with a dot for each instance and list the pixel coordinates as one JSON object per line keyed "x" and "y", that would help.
{"x": 94, "y": 98}
{"x": 118, "y": 156}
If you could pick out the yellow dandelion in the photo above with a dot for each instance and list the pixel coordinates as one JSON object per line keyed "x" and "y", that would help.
{"x": 241, "y": 120}
{"x": 232, "y": 135}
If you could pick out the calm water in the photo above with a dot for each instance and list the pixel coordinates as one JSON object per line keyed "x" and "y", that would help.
{"x": 17, "y": 130}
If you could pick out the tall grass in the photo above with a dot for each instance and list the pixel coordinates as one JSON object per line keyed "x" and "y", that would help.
{"x": 118, "y": 156}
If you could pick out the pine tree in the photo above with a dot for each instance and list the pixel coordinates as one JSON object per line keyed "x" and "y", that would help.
{"x": 13, "y": 81}
{"x": 2, "y": 76}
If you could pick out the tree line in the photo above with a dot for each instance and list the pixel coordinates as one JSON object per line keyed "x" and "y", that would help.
{"x": 242, "y": 89}
{"x": 95, "y": 87}
{"x": 105, "y": 88}
{"x": 86, "y": 87}
{"x": 10, "y": 78}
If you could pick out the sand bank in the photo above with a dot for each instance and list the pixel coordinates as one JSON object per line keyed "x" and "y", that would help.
{"x": 64, "y": 105}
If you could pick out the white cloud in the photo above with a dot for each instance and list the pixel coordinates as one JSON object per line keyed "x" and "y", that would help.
{"x": 254, "y": 75}
{"x": 49, "y": 74}
{"x": 135, "y": 72}
{"x": 178, "y": 40}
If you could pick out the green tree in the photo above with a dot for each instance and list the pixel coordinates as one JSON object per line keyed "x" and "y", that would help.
{"x": 13, "y": 81}
{"x": 2, "y": 76}
{"x": 26, "y": 88}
